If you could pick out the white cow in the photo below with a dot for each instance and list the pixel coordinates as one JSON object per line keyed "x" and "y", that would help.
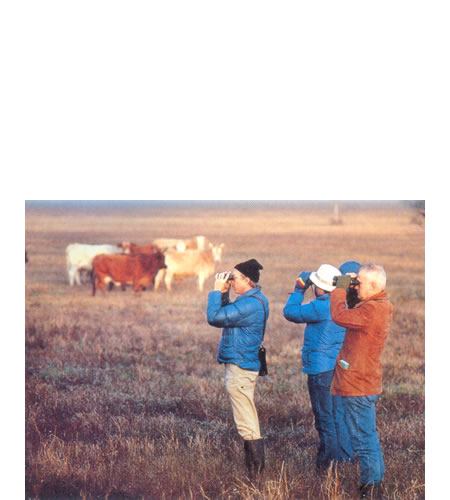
{"x": 79, "y": 258}
{"x": 200, "y": 263}
{"x": 195, "y": 243}
{"x": 170, "y": 243}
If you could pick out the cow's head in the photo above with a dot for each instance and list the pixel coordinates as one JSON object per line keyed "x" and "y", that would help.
{"x": 181, "y": 246}
{"x": 127, "y": 247}
{"x": 154, "y": 261}
{"x": 160, "y": 260}
{"x": 216, "y": 251}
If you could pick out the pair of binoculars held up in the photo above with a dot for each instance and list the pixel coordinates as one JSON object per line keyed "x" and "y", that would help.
{"x": 353, "y": 281}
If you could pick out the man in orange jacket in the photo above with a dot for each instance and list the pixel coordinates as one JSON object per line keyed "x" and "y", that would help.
{"x": 357, "y": 378}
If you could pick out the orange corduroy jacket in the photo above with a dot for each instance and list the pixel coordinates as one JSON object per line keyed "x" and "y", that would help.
{"x": 367, "y": 327}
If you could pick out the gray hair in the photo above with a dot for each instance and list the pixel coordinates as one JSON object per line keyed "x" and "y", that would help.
{"x": 376, "y": 274}
{"x": 252, "y": 284}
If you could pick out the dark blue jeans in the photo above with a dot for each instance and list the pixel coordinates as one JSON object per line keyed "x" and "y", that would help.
{"x": 334, "y": 439}
{"x": 361, "y": 423}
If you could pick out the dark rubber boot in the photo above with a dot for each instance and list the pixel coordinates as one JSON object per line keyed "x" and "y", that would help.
{"x": 254, "y": 457}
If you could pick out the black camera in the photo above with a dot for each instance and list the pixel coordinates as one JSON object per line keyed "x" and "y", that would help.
{"x": 353, "y": 281}
{"x": 231, "y": 277}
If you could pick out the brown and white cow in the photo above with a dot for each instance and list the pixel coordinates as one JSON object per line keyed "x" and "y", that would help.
{"x": 200, "y": 263}
{"x": 139, "y": 270}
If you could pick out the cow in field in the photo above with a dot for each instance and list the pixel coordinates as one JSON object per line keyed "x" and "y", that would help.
{"x": 170, "y": 243}
{"x": 79, "y": 257}
{"x": 195, "y": 243}
{"x": 200, "y": 263}
{"x": 139, "y": 270}
{"x": 133, "y": 249}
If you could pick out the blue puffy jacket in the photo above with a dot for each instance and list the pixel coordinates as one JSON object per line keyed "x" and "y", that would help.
{"x": 243, "y": 323}
{"x": 322, "y": 338}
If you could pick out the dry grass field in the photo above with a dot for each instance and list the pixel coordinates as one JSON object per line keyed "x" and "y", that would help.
{"x": 125, "y": 398}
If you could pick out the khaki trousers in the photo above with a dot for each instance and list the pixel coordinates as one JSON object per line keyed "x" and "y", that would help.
{"x": 240, "y": 385}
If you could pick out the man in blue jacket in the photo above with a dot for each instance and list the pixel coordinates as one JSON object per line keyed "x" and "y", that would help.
{"x": 243, "y": 322}
{"x": 322, "y": 342}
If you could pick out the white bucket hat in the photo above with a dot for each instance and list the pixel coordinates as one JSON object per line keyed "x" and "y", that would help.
{"x": 323, "y": 277}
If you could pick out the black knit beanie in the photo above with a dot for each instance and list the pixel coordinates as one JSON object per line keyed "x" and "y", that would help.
{"x": 250, "y": 268}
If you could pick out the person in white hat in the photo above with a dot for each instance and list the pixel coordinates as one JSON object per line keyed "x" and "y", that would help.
{"x": 322, "y": 342}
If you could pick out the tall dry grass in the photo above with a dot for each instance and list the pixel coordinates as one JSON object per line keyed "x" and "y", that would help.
{"x": 125, "y": 399}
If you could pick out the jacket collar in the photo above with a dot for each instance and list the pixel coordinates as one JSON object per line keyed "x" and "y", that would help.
{"x": 249, "y": 293}
{"x": 379, "y": 296}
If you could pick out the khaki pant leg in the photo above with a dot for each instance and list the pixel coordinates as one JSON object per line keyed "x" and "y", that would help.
{"x": 240, "y": 386}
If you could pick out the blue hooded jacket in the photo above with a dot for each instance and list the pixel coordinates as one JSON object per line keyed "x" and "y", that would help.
{"x": 322, "y": 338}
{"x": 243, "y": 325}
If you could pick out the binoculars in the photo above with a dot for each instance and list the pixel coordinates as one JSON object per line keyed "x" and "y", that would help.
{"x": 353, "y": 281}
